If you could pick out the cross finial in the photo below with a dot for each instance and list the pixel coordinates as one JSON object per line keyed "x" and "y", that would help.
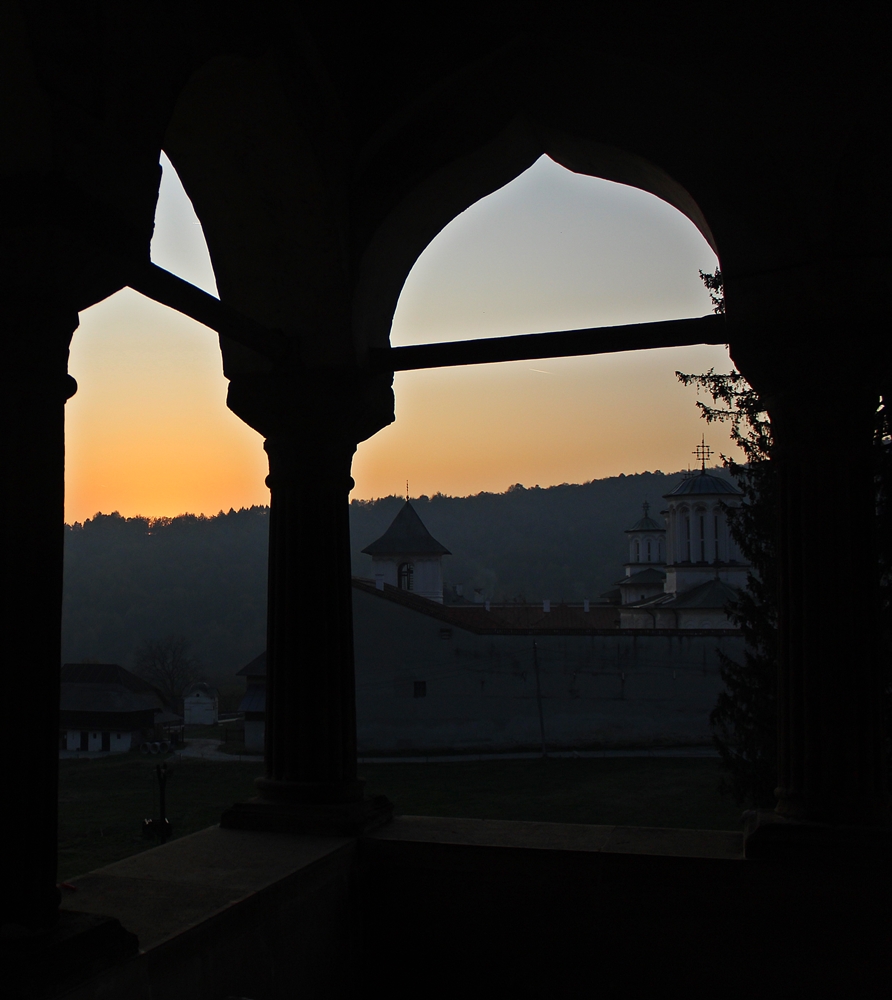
{"x": 645, "y": 507}
{"x": 407, "y": 491}
{"x": 703, "y": 451}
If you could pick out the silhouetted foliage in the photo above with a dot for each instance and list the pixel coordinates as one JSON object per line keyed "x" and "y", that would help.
{"x": 168, "y": 664}
{"x": 128, "y": 578}
{"x": 744, "y": 719}
{"x": 716, "y": 289}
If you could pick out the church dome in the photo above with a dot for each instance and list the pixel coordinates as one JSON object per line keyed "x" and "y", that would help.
{"x": 646, "y": 523}
{"x": 704, "y": 484}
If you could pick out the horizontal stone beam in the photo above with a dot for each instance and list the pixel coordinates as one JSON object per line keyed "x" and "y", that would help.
{"x": 168, "y": 289}
{"x": 162, "y": 286}
{"x": 560, "y": 344}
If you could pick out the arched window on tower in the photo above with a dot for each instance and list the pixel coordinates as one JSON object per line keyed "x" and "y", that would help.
{"x": 406, "y": 575}
{"x": 637, "y": 551}
{"x": 648, "y": 551}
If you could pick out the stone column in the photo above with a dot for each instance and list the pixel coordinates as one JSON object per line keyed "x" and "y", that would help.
{"x": 830, "y": 720}
{"x": 36, "y": 386}
{"x": 311, "y": 780}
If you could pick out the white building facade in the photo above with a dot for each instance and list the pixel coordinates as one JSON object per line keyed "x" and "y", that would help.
{"x": 704, "y": 569}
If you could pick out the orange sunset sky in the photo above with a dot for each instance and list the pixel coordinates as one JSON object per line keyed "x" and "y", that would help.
{"x": 148, "y": 431}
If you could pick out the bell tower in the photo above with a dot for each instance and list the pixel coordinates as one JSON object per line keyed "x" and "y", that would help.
{"x": 408, "y": 557}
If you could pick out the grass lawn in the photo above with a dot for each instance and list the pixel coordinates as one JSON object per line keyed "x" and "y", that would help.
{"x": 102, "y": 802}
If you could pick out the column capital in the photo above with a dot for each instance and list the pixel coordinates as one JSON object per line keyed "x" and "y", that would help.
{"x": 326, "y": 407}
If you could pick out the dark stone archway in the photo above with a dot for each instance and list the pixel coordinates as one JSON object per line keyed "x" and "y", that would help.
{"x": 322, "y": 153}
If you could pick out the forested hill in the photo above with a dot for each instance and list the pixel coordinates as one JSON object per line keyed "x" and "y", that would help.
{"x": 130, "y": 579}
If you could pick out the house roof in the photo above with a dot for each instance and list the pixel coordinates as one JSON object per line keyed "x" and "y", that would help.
{"x": 106, "y": 687}
{"x": 704, "y": 484}
{"x": 407, "y": 535}
{"x": 256, "y": 668}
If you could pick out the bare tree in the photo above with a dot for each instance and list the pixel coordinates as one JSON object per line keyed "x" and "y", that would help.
{"x": 167, "y": 664}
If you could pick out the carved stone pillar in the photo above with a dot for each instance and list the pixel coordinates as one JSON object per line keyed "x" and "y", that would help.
{"x": 36, "y": 386}
{"x": 310, "y": 781}
{"x": 830, "y": 720}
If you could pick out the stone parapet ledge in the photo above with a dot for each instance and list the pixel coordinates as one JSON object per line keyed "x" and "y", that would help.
{"x": 722, "y": 844}
{"x": 225, "y": 912}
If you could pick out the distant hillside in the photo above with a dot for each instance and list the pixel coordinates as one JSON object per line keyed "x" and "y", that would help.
{"x": 129, "y": 579}
{"x": 562, "y": 542}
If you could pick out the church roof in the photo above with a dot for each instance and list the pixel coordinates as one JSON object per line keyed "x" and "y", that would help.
{"x": 714, "y": 593}
{"x": 644, "y": 576}
{"x": 646, "y": 523}
{"x": 407, "y": 535}
{"x": 704, "y": 483}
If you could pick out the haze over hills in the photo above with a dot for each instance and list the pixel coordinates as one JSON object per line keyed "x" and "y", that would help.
{"x": 130, "y": 579}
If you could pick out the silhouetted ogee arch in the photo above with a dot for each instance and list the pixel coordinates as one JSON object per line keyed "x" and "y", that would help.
{"x": 433, "y": 204}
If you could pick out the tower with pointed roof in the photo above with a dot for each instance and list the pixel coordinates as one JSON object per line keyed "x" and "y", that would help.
{"x": 645, "y": 571}
{"x": 407, "y": 556}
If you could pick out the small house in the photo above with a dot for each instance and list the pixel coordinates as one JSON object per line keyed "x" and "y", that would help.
{"x": 102, "y": 706}
{"x": 200, "y": 704}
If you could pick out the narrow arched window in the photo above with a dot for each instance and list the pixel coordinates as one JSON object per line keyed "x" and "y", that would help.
{"x": 637, "y": 551}
{"x": 648, "y": 551}
{"x": 406, "y": 574}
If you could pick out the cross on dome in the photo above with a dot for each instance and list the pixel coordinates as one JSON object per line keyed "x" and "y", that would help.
{"x": 703, "y": 452}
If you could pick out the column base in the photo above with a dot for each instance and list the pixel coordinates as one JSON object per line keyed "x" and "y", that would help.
{"x": 54, "y": 961}
{"x": 770, "y": 837}
{"x": 341, "y": 819}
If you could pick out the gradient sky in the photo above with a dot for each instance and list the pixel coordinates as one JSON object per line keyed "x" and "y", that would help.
{"x": 148, "y": 431}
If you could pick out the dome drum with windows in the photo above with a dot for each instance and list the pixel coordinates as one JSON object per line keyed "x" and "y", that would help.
{"x": 692, "y": 566}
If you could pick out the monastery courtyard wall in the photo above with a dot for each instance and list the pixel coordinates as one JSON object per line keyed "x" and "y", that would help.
{"x": 424, "y": 686}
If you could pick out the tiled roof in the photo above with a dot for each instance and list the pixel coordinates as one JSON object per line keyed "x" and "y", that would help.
{"x": 502, "y": 617}
{"x": 407, "y": 535}
{"x": 105, "y": 687}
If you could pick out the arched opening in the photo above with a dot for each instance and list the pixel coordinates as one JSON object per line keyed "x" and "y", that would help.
{"x": 495, "y": 270}
{"x": 148, "y": 431}
{"x": 551, "y": 250}
{"x": 149, "y": 439}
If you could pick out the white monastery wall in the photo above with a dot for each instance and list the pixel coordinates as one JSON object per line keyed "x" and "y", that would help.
{"x": 424, "y": 685}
